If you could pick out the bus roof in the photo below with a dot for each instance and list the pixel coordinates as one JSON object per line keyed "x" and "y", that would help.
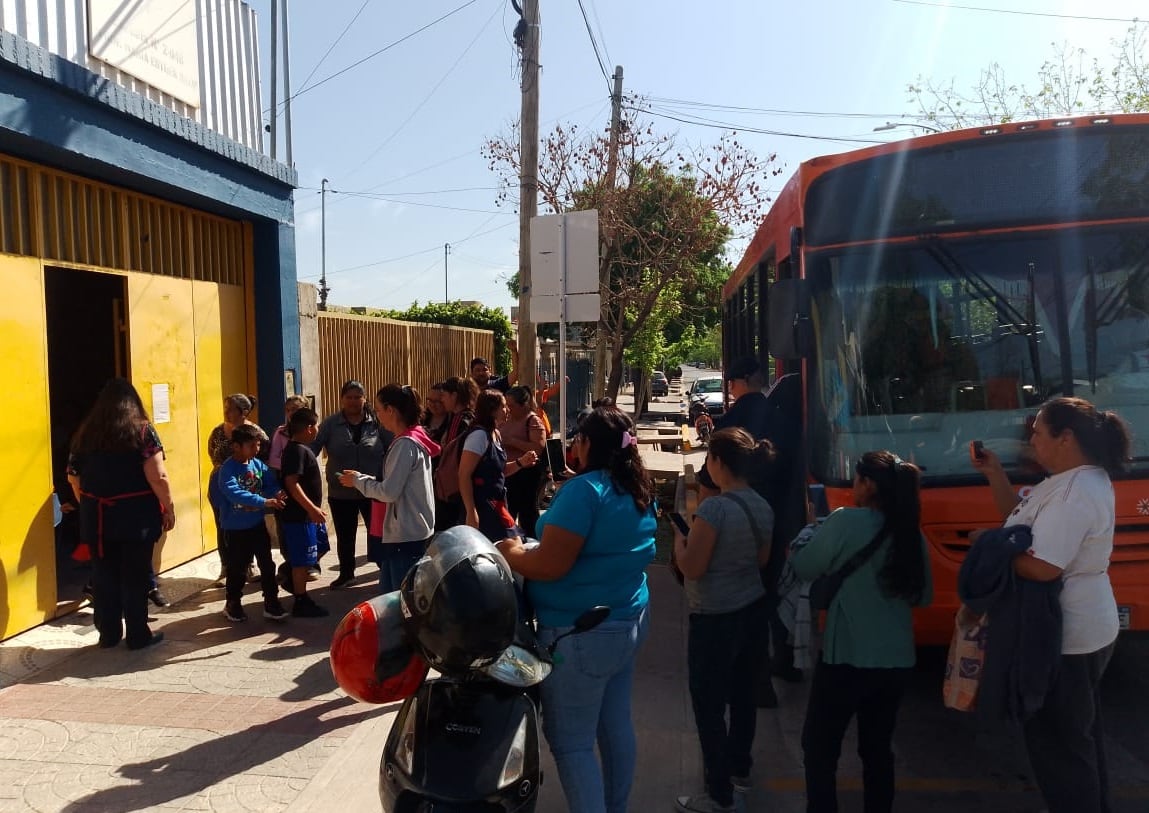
{"x": 786, "y": 211}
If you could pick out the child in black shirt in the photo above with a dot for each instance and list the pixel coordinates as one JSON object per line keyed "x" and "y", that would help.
{"x": 303, "y": 520}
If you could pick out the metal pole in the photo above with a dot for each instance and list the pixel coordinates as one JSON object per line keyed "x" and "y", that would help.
{"x": 287, "y": 89}
{"x": 528, "y": 188}
{"x": 564, "y": 387}
{"x": 274, "y": 124}
{"x": 323, "y": 289}
{"x": 446, "y": 251}
{"x": 601, "y": 354}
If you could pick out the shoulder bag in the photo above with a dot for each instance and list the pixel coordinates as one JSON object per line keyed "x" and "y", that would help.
{"x": 824, "y": 589}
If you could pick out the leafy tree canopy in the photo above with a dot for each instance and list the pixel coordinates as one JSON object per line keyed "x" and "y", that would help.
{"x": 664, "y": 220}
{"x": 1069, "y": 83}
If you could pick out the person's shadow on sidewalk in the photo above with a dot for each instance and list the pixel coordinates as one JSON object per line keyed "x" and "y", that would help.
{"x": 187, "y": 773}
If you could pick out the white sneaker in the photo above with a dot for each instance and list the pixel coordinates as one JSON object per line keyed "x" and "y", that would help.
{"x": 702, "y": 803}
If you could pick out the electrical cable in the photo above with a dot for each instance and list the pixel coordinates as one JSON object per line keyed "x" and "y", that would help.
{"x": 374, "y": 54}
{"x": 431, "y": 92}
{"x": 594, "y": 43}
{"x": 720, "y": 125}
{"x": 330, "y": 48}
{"x": 1133, "y": 20}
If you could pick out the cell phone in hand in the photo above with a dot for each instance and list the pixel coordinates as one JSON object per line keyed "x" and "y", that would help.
{"x": 680, "y": 523}
{"x": 976, "y": 450}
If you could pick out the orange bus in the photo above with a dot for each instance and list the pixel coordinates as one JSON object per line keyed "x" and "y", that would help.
{"x": 937, "y": 290}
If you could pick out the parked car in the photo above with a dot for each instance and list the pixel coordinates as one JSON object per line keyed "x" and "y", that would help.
{"x": 659, "y": 385}
{"x": 708, "y": 390}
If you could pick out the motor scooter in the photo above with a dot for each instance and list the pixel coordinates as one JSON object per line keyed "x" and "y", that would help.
{"x": 700, "y": 416}
{"x": 470, "y": 742}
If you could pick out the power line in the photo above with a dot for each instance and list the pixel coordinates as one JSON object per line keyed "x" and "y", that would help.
{"x": 594, "y": 43}
{"x": 433, "y": 90}
{"x": 452, "y": 159}
{"x": 769, "y": 111}
{"x": 601, "y": 35}
{"x": 374, "y": 54}
{"x": 1133, "y": 20}
{"x": 331, "y": 48}
{"x": 371, "y": 196}
{"x": 436, "y": 248}
{"x": 721, "y": 125}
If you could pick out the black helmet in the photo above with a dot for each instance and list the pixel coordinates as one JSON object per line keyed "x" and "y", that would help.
{"x": 459, "y": 601}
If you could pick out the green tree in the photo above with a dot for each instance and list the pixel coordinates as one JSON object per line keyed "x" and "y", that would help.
{"x": 460, "y": 315}
{"x": 1067, "y": 84}
{"x": 664, "y": 220}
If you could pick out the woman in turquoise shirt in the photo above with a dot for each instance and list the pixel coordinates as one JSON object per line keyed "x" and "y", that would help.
{"x": 596, "y": 540}
{"x": 868, "y": 647}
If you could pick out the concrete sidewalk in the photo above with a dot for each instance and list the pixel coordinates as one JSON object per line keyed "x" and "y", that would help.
{"x": 243, "y": 717}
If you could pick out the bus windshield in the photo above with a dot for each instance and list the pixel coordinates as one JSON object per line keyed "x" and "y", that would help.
{"x": 927, "y": 345}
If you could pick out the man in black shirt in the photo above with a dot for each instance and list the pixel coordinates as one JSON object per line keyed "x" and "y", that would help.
{"x": 481, "y": 373}
{"x": 303, "y": 520}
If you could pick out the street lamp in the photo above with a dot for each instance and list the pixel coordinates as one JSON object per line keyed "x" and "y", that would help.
{"x": 890, "y": 125}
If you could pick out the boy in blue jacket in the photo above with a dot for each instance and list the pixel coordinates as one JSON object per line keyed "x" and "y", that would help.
{"x": 248, "y": 490}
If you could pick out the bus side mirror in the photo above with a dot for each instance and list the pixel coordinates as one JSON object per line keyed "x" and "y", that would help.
{"x": 790, "y": 331}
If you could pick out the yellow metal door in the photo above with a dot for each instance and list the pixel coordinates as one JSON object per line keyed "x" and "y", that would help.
{"x": 221, "y": 369}
{"x": 27, "y": 541}
{"x": 162, "y": 342}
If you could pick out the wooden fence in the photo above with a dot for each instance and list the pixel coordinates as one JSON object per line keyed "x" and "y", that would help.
{"x": 384, "y": 351}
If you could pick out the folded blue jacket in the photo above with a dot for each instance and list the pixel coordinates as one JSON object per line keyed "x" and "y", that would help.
{"x": 1023, "y": 640}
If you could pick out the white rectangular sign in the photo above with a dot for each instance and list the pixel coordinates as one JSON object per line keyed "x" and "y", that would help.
{"x": 581, "y": 244}
{"x": 156, "y": 41}
{"x": 580, "y": 308}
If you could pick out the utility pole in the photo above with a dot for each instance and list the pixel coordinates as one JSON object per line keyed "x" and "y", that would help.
{"x": 323, "y": 289}
{"x": 288, "y": 158}
{"x": 446, "y": 251}
{"x": 528, "y": 186}
{"x": 601, "y": 347}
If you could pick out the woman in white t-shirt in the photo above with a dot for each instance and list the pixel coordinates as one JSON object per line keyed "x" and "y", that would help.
{"x": 1071, "y": 513}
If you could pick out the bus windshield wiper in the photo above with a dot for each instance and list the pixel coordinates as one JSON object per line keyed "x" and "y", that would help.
{"x": 1023, "y": 325}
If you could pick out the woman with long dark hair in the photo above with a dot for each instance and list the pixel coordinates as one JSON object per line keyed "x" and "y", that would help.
{"x": 459, "y": 395}
{"x": 868, "y": 647}
{"x": 117, "y": 472}
{"x": 729, "y": 542}
{"x": 596, "y": 540}
{"x": 523, "y": 432}
{"x": 1071, "y": 515}
{"x": 483, "y": 469}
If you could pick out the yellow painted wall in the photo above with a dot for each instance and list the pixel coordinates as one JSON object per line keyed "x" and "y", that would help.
{"x": 27, "y": 543}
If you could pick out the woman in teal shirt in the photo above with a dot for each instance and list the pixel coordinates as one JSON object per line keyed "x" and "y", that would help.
{"x": 868, "y": 647}
{"x": 596, "y": 540}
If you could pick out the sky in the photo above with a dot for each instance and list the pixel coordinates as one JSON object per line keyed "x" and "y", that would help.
{"x": 398, "y": 136}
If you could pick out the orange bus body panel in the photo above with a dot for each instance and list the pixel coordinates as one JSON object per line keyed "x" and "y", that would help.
{"x": 949, "y": 513}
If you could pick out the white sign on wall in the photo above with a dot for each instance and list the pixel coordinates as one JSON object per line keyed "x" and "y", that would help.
{"x": 156, "y": 41}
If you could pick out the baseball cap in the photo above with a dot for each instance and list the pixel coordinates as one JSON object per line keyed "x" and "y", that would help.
{"x": 742, "y": 367}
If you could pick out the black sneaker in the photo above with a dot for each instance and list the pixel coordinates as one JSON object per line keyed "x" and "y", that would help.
{"x": 342, "y": 581}
{"x": 304, "y": 607}
{"x": 273, "y": 610}
{"x": 233, "y": 611}
{"x": 157, "y": 598}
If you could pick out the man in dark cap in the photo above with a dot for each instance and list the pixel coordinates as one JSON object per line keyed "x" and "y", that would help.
{"x": 773, "y": 416}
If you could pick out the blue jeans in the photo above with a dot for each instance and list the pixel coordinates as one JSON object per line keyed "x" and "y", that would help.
{"x": 587, "y": 700}
{"x": 395, "y": 560}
